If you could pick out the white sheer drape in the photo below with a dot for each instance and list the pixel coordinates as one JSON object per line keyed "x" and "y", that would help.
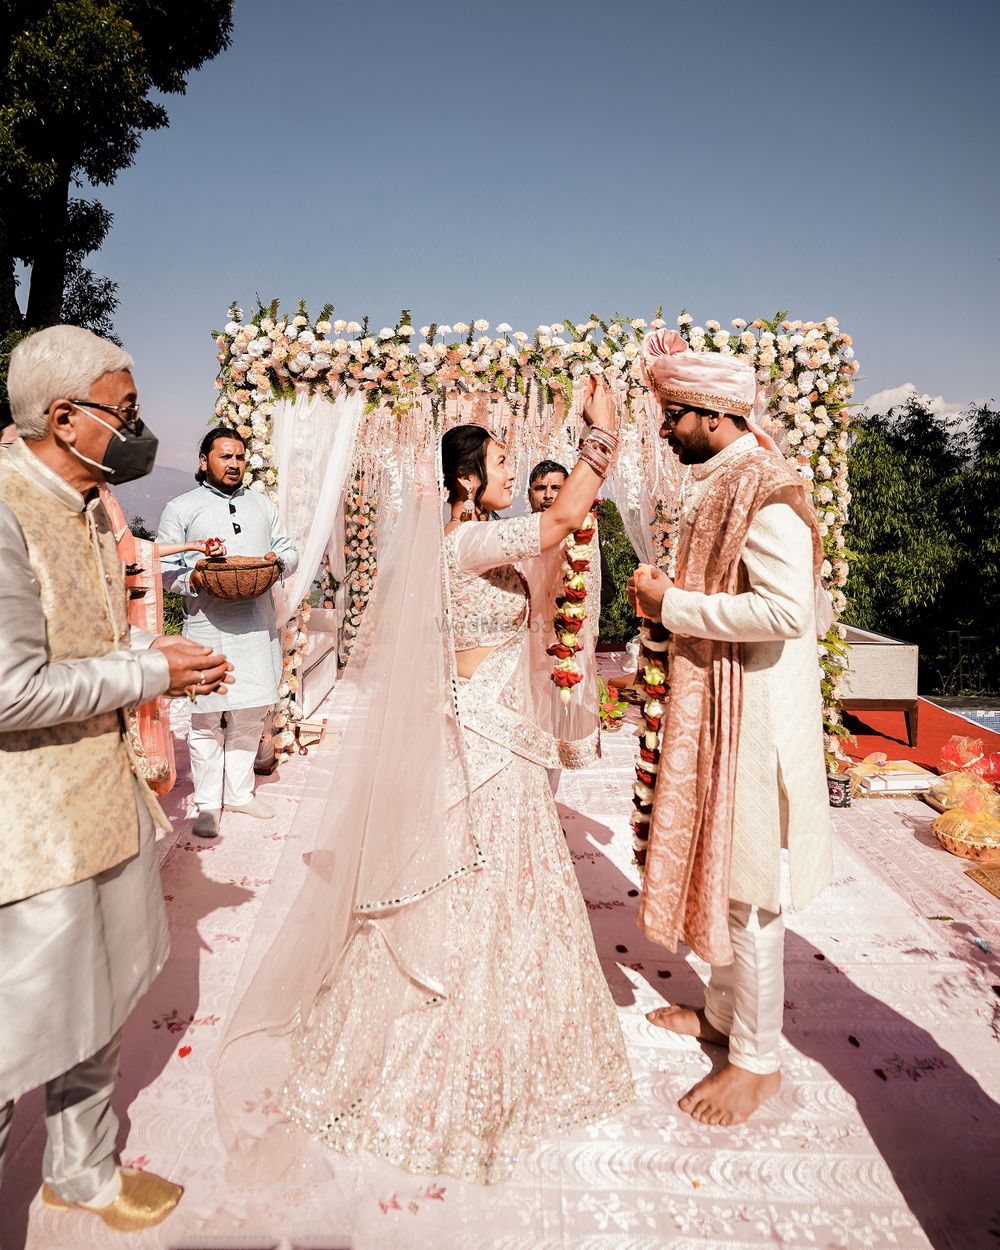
{"x": 636, "y": 510}
{"x": 314, "y": 440}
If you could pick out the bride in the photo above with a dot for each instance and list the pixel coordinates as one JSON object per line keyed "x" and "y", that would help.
{"x": 434, "y": 996}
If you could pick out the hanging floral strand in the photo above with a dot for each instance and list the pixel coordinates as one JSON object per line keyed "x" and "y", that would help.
{"x": 571, "y": 608}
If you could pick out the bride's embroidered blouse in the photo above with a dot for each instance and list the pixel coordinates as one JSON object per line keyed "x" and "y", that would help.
{"x": 489, "y": 598}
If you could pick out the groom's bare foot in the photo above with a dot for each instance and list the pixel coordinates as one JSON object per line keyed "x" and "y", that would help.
{"x": 729, "y": 1096}
{"x": 690, "y": 1021}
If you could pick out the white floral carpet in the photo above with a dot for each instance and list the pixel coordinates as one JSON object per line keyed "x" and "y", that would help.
{"x": 886, "y": 1132}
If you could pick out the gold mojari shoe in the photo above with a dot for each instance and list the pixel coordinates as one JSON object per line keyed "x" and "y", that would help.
{"x": 145, "y": 1199}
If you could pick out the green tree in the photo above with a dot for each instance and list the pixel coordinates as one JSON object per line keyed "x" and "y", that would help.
{"x": 618, "y": 623}
{"x": 78, "y": 81}
{"x": 924, "y": 540}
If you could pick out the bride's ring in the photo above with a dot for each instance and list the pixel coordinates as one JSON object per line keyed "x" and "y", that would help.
{"x": 201, "y": 678}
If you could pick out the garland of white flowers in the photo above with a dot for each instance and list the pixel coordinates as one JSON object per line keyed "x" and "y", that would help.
{"x": 361, "y": 550}
{"x": 527, "y": 386}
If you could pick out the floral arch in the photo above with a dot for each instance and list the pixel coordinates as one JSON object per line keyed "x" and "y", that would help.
{"x": 390, "y": 392}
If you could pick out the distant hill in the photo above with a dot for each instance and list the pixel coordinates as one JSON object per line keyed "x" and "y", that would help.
{"x": 147, "y": 497}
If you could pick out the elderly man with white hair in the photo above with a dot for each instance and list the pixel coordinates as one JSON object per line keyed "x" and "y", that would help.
{"x": 82, "y": 926}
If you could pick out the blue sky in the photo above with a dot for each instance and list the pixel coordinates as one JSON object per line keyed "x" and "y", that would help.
{"x": 531, "y": 160}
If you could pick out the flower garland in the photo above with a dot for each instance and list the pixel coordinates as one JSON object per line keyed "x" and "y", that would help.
{"x": 360, "y": 548}
{"x": 294, "y": 644}
{"x": 571, "y": 608}
{"x": 809, "y": 368}
{"x": 653, "y": 683}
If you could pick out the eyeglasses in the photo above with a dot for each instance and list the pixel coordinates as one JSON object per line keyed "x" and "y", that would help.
{"x": 232, "y": 513}
{"x": 671, "y": 418}
{"x": 128, "y": 414}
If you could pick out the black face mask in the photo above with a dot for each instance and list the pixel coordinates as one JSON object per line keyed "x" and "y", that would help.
{"x": 127, "y": 456}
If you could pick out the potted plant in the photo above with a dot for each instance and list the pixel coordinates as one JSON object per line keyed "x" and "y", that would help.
{"x": 613, "y": 708}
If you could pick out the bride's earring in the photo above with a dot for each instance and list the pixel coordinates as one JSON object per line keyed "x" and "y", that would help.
{"x": 469, "y": 507}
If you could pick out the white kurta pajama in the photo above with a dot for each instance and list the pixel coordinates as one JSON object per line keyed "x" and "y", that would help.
{"x": 781, "y": 796}
{"x": 223, "y": 749}
{"x": 77, "y": 949}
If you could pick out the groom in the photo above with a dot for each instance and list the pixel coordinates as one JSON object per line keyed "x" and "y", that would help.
{"x": 741, "y": 772}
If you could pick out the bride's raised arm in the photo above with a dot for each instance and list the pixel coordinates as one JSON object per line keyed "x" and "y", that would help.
{"x": 577, "y": 494}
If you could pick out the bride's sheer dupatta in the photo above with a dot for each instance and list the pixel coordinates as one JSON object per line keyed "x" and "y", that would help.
{"x": 381, "y": 830}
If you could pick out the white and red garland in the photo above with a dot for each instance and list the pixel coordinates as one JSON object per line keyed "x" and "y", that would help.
{"x": 653, "y": 684}
{"x": 571, "y": 608}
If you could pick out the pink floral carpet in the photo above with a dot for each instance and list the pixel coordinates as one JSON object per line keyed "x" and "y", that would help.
{"x": 886, "y": 1132}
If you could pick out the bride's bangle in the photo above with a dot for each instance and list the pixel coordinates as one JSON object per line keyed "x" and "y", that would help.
{"x": 597, "y": 460}
{"x": 603, "y": 438}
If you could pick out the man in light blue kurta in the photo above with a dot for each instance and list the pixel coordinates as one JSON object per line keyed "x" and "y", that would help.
{"x": 226, "y": 729}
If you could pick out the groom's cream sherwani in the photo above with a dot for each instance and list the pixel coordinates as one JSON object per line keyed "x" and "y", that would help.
{"x": 781, "y": 795}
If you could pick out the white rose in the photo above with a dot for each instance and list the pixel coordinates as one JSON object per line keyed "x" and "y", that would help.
{"x": 638, "y": 323}
{"x": 480, "y": 325}
{"x": 619, "y": 359}
{"x": 353, "y": 327}
{"x": 503, "y": 328}
{"x": 406, "y": 332}
{"x": 461, "y": 327}
{"x": 299, "y": 320}
{"x": 684, "y": 319}
{"x": 427, "y": 367}
{"x": 720, "y": 338}
{"x": 307, "y": 336}
{"x": 340, "y": 326}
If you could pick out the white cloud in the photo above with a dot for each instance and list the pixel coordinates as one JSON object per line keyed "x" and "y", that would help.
{"x": 896, "y": 396}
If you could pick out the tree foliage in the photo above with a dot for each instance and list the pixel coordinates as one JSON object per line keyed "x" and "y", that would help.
{"x": 79, "y": 85}
{"x": 924, "y": 540}
{"x": 618, "y": 622}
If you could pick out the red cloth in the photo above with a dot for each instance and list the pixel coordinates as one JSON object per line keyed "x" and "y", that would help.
{"x": 886, "y": 731}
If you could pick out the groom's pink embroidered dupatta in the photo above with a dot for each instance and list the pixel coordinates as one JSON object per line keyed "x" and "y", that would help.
{"x": 685, "y": 894}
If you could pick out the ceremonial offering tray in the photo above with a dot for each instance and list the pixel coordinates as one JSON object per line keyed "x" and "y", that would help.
{"x": 239, "y": 578}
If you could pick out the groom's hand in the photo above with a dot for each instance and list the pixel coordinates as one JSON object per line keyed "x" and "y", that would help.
{"x": 646, "y": 588}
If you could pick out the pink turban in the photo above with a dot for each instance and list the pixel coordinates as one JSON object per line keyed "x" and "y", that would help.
{"x": 712, "y": 380}
{"x": 721, "y": 383}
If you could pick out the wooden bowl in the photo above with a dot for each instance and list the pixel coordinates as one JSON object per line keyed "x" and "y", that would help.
{"x": 239, "y": 578}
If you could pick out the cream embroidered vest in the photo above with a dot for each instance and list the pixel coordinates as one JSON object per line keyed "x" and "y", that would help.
{"x": 66, "y": 791}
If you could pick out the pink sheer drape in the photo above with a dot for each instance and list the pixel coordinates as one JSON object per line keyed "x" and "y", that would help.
{"x": 145, "y": 611}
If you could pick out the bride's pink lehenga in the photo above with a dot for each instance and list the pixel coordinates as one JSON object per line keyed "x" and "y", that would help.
{"x": 528, "y": 1042}
{"x": 433, "y": 994}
